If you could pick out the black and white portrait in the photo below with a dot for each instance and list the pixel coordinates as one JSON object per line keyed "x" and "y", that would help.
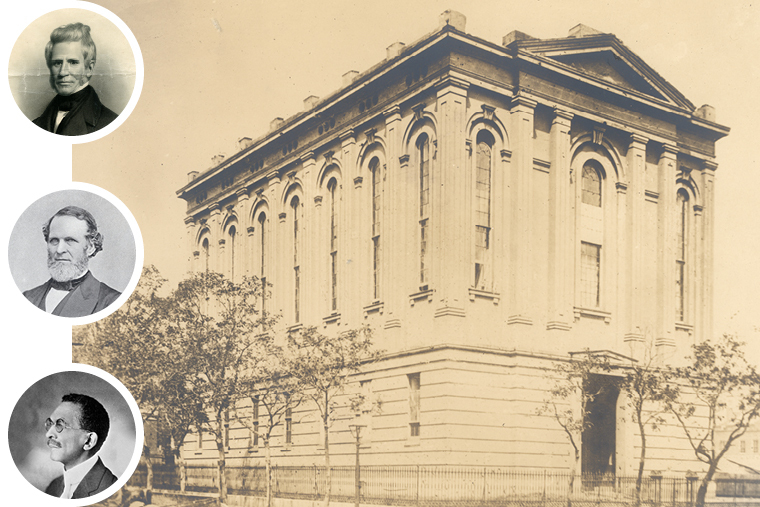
{"x": 72, "y": 72}
{"x": 72, "y": 253}
{"x": 72, "y": 435}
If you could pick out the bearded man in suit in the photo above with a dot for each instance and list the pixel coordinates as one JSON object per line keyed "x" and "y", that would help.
{"x": 75, "y": 432}
{"x": 72, "y": 238}
{"x": 76, "y": 110}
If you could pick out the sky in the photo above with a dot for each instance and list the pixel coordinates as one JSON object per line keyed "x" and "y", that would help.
{"x": 215, "y": 71}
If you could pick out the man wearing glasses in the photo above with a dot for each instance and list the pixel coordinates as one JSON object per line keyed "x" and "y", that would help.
{"x": 75, "y": 432}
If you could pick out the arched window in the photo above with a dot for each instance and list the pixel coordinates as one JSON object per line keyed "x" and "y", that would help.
{"x": 232, "y": 233}
{"x": 262, "y": 220}
{"x": 483, "y": 172}
{"x": 682, "y": 240}
{"x": 332, "y": 188}
{"x": 205, "y": 253}
{"x": 423, "y": 158}
{"x": 294, "y": 205}
{"x": 377, "y": 194}
{"x": 591, "y": 192}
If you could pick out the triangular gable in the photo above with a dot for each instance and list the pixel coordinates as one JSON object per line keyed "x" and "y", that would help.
{"x": 603, "y": 58}
{"x": 612, "y": 356}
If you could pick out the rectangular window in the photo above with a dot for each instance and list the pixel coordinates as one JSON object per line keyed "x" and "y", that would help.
{"x": 297, "y": 289}
{"x": 376, "y": 217}
{"x": 742, "y": 447}
{"x": 226, "y": 435}
{"x": 414, "y": 404}
{"x": 590, "y": 271}
{"x": 376, "y": 267}
{"x": 481, "y": 248}
{"x": 199, "y": 440}
{"x": 263, "y": 273}
{"x": 288, "y": 427}
{"x": 423, "y": 251}
{"x": 755, "y": 448}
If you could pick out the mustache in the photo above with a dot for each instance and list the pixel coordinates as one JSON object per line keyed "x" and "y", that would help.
{"x": 53, "y": 443}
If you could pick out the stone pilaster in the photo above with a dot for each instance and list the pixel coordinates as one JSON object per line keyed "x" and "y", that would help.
{"x": 214, "y": 225}
{"x": 243, "y": 257}
{"x": 350, "y": 229}
{"x": 450, "y": 256}
{"x": 636, "y": 162}
{"x": 521, "y": 288}
{"x": 393, "y": 220}
{"x": 707, "y": 239}
{"x": 666, "y": 270}
{"x": 190, "y": 232}
{"x": 561, "y": 225}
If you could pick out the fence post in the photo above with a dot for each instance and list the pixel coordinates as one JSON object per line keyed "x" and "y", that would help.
{"x": 543, "y": 494}
{"x": 418, "y": 485}
{"x": 485, "y": 471}
{"x": 182, "y": 476}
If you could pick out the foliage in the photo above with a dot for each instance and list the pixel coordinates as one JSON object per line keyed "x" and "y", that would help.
{"x": 724, "y": 384}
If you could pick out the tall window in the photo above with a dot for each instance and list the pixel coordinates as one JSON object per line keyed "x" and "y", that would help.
{"x": 414, "y": 404}
{"x": 483, "y": 164}
{"x": 377, "y": 189}
{"x": 232, "y": 234}
{"x": 590, "y": 269}
{"x": 263, "y": 260}
{"x": 332, "y": 188}
{"x": 288, "y": 426}
{"x": 423, "y": 152}
{"x": 296, "y": 261}
{"x": 226, "y": 435}
{"x": 205, "y": 253}
{"x": 682, "y": 198}
{"x": 591, "y": 192}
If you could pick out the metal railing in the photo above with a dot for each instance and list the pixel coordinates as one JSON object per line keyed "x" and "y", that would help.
{"x": 433, "y": 485}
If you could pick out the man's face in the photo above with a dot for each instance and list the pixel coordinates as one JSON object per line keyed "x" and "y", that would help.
{"x": 68, "y": 248}
{"x": 68, "y": 70}
{"x": 68, "y": 446}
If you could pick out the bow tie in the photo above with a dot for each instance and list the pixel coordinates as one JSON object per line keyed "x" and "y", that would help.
{"x": 68, "y": 285}
{"x": 66, "y": 106}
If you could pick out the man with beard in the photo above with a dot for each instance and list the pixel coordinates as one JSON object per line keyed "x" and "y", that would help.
{"x": 76, "y": 110}
{"x": 75, "y": 432}
{"x": 72, "y": 238}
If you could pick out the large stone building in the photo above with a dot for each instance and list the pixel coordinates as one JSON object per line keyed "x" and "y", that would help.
{"x": 487, "y": 209}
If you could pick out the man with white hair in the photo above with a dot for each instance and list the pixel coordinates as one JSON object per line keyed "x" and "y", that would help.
{"x": 76, "y": 110}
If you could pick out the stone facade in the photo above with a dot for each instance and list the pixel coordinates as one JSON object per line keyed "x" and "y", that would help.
{"x": 487, "y": 209}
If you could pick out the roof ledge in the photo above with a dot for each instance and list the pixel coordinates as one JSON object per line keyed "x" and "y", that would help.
{"x": 515, "y": 35}
{"x": 455, "y": 19}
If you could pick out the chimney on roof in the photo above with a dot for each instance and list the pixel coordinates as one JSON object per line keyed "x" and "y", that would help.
{"x": 191, "y": 176}
{"x": 394, "y": 50}
{"x": 513, "y": 36}
{"x": 706, "y": 112}
{"x": 349, "y": 77}
{"x": 455, "y": 19}
{"x": 275, "y": 124}
{"x": 581, "y": 30}
{"x": 310, "y": 102}
{"x": 244, "y": 142}
{"x": 216, "y": 160}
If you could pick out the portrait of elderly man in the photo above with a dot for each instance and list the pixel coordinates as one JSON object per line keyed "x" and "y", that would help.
{"x": 75, "y": 432}
{"x": 72, "y": 238}
{"x": 76, "y": 110}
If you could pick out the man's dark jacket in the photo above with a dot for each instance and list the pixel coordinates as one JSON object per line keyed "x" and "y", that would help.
{"x": 96, "y": 480}
{"x": 89, "y": 297}
{"x": 87, "y": 116}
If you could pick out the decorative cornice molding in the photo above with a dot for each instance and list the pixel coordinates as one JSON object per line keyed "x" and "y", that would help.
{"x": 189, "y": 221}
{"x": 562, "y": 116}
{"x": 522, "y": 102}
{"x": 370, "y": 135}
{"x": 318, "y": 200}
{"x": 637, "y": 139}
{"x": 452, "y": 82}
{"x": 214, "y": 207}
{"x": 597, "y": 135}
{"x": 404, "y": 159}
{"x": 669, "y": 151}
{"x": 347, "y": 137}
{"x": 358, "y": 182}
{"x": 419, "y": 111}
{"x": 250, "y": 230}
{"x": 488, "y": 111}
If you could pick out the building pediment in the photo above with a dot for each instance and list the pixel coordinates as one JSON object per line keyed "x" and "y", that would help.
{"x": 604, "y": 59}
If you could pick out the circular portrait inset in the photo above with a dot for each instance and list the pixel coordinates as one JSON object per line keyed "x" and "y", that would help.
{"x": 75, "y": 72}
{"x": 74, "y": 253}
{"x": 76, "y": 435}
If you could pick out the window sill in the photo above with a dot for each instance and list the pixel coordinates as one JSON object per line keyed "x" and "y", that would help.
{"x": 495, "y": 297}
{"x": 374, "y": 307}
{"x": 412, "y": 442}
{"x": 333, "y": 318}
{"x": 592, "y": 313}
{"x": 423, "y": 295}
{"x": 295, "y": 327}
{"x": 680, "y": 326}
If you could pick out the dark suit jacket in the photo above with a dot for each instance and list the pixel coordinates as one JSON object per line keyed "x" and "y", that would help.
{"x": 92, "y": 116}
{"x": 87, "y": 298}
{"x": 96, "y": 480}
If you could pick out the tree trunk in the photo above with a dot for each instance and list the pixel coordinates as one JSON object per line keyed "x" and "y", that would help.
{"x": 268, "y": 461}
{"x": 328, "y": 471}
{"x": 222, "y": 479}
{"x": 149, "y": 474}
{"x": 573, "y": 473}
{"x": 702, "y": 491}
{"x": 642, "y": 457}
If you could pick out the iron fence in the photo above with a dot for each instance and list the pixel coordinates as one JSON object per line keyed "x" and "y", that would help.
{"x": 443, "y": 486}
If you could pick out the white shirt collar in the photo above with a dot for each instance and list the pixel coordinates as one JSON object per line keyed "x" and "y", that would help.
{"x": 75, "y": 474}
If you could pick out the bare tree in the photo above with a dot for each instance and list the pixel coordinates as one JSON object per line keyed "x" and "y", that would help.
{"x": 570, "y": 398}
{"x": 323, "y": 365}
{"x": 721, "y": 381}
